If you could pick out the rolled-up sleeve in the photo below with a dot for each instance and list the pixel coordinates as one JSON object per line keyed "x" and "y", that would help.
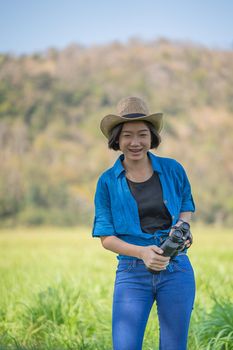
{"x": 187, "y": 198}
{"x": 103, "y": 221}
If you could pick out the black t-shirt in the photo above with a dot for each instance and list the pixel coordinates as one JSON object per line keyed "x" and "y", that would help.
{"x": 152, "y": 211}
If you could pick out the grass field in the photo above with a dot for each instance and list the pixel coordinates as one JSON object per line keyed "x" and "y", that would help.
{"x": 56, "y": 288}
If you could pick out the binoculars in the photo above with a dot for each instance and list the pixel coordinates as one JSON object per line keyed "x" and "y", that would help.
{"x": 175, "y": 242}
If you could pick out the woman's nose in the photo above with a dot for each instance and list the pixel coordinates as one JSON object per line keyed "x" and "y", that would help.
{"x": 135, "y": 140}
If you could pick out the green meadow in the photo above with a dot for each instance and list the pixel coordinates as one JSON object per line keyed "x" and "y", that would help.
{"x": 56, "y": 288}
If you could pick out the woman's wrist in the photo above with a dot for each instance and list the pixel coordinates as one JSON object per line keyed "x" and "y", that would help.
{"x": 180, "y": 221}
{"x": 140, "y": 252}
{"x": 184, "y": 217}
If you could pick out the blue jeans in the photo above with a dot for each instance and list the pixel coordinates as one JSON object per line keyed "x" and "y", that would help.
{"x": 135, "y": 291}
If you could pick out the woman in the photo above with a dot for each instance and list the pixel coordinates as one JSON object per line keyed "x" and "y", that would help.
{"x": 138, "y": 204}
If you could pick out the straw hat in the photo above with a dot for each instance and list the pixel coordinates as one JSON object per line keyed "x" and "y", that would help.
{"x": 128, "y": 109}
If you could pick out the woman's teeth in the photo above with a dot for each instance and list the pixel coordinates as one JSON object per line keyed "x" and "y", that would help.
{"x": 135, "y": 150}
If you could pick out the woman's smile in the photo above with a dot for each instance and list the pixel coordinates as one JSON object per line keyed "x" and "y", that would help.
{"x": 135, "y": 150}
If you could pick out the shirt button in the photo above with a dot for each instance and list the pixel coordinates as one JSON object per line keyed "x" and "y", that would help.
{"x": 173, "y": 217}
{"x": 165, "y": 201}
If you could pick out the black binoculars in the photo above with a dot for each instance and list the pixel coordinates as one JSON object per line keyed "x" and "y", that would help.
{"x": 175, "y": 242}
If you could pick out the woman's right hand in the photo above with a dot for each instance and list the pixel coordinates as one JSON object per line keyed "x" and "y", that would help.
{"x": 151, "y": 255}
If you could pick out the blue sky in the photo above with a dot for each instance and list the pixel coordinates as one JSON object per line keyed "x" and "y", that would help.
{"x": 30, "y": 25}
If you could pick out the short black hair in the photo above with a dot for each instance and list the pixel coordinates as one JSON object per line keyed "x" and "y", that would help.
{"x": 113, "y": 142}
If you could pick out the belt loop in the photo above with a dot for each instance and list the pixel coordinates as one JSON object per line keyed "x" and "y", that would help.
{"x": 134, "y": 263}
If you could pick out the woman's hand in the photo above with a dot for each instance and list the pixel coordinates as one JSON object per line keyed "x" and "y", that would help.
{"x": 151, "y": 255}
{"x": 189, "y": 241}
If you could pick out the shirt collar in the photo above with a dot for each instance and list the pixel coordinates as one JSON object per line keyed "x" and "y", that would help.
{"x": 118, "y": 167}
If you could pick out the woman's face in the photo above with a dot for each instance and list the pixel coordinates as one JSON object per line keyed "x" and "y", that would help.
{"x": 135, "y": 140}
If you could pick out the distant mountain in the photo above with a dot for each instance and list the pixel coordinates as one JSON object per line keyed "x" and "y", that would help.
{"x": 52, "y": 151}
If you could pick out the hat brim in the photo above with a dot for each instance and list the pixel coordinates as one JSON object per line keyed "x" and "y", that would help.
{"x": 111, "y": 120}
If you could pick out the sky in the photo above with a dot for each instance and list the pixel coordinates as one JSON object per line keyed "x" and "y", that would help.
{"x": 28, "y": 26}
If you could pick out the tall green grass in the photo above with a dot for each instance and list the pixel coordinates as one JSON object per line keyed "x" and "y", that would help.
{"x": 56, "y": 291}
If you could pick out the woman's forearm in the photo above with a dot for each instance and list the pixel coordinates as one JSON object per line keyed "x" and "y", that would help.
{"x": 185, "y": 216}
{"x": 118, "y": 246}
{"x": 151, "y": 255}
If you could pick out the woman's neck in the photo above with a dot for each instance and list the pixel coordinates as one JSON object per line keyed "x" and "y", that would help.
{"x": 141, "y": 169}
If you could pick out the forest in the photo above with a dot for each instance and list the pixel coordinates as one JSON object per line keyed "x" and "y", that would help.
{"x": 52, "y": 151}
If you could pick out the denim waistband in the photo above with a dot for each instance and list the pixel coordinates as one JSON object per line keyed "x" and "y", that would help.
{"x": 135, "y": 261}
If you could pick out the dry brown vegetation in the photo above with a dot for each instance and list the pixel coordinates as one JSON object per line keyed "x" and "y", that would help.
{"x": 51, "y": 149}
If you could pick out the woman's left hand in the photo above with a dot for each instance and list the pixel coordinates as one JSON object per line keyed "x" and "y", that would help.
{"x": 189, "y": 241}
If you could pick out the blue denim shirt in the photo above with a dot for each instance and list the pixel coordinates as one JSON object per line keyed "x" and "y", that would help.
{"x": 116, "y": 211}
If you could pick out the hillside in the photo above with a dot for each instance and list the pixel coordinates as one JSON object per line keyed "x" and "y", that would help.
{"x": 52, "y": 151}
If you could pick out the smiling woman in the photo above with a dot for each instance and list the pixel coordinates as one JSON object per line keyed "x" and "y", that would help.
{"x": 139, "y": 202}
